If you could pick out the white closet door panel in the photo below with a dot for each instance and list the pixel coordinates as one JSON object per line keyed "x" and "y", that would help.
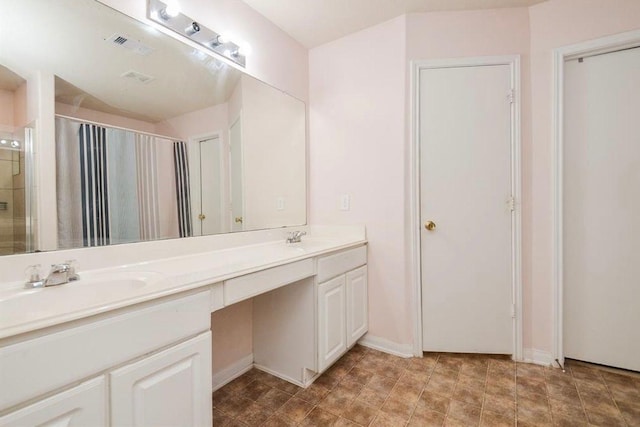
{"x": 601, "y": 195}
{"x": 465, "y": 186}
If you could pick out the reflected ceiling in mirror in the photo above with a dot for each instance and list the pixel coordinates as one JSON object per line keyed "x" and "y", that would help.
{"x": 231, "y": 146}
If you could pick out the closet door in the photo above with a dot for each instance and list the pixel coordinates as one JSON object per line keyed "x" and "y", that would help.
{"x": 601, "y": 216}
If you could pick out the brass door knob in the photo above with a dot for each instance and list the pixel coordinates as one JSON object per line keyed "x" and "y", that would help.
{"x": 238, "y": 219}
{"x": 430, "y": 225}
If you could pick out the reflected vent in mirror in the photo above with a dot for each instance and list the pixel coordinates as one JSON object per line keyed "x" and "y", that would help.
{"x": 132, "y": 45}
{"x": 138, "y": 76}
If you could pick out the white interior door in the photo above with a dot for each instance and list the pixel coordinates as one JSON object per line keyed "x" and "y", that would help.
{"x": 465, "y": 190}
{"x": 211, "y": 186}
{"x": 237, "y": 197}
{"x": 601, "y": 209}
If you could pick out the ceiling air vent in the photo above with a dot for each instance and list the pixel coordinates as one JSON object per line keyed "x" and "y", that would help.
{"x": 127, "y": 43}
{"x": 138, "y": 76}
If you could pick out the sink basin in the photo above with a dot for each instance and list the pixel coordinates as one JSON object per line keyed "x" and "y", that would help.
{"x": 93, "y": 291}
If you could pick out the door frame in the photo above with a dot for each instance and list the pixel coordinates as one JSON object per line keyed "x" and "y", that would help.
{"x": 415, "y": 223}
{"x": 560, "y": 55}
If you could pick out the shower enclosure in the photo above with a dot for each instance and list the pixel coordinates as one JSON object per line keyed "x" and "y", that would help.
{"x": 15, "y": 219}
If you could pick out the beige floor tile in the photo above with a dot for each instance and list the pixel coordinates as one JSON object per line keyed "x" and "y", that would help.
{"x": 367, "y": 387}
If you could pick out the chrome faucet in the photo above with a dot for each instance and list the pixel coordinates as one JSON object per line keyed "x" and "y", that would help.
{"x": 58, "y": 275}
{"x": 295, "y": 236}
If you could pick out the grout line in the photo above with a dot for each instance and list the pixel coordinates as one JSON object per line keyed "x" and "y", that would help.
{"x": 606, "y": 384}
{"x": 515, "y": 393}
{"x": 584, "y": 408}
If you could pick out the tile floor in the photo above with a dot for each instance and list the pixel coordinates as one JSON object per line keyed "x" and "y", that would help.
{"x": 367, "y": 387}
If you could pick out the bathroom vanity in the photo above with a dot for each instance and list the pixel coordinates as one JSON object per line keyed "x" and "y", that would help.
{"x": 131, "y": 344}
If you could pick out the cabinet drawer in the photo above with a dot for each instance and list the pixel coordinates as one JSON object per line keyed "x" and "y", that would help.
{"x": 55, "y": 360}
{"x": 249, "y": 286}
{"x": 333, "y": 265}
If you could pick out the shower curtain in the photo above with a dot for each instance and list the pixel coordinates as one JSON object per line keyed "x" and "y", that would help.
{"x": 181, "y": 163}
{"x": 119, "y": 186}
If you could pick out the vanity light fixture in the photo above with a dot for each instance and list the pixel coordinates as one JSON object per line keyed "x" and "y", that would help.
{"x": 167, "y": 14}
{"x": 193, "y": 28}
{"x": 171, "y": 10}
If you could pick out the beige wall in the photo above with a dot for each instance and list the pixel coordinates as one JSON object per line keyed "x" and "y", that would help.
{"x": 354, "y": 86}
{"x": 357, "y": 143}
{"x": 273, "y": 128}
{"x": 6, "y": 108}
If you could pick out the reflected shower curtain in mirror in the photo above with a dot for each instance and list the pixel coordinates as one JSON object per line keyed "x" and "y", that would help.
{"x": 119, "y": 186}
{"x": 181, "y": 163}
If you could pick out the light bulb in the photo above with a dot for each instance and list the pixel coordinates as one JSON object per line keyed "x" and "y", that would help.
{"x": 245, "y": 49}
{"x": 222, "y": 39}
{"x": 3, "y": 142}
{"x": 173, "y": 9}
{"x": 15, "y": 144}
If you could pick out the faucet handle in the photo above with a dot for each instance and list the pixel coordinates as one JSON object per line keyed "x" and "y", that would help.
{"x": 73, "y": 275}
{"x": 34, "y": 280}
{"x": 60, "y": 268}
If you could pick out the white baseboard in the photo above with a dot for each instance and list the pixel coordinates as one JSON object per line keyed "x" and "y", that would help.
{"x": 387, "y": 346}
{"x": 539, "y": 357}
{"x": 279, "y": 375}
{"x": 232, "y": 372}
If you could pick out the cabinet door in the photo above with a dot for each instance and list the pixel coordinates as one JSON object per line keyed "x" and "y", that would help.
{"x": 83, "y": 405}
{"x": 170, "y": 388}
{"x": 357, "y": 305}
{"x": 332, "y": 326}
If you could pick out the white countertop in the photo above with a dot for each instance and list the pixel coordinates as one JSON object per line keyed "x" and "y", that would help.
{"x": 102, "y": 290}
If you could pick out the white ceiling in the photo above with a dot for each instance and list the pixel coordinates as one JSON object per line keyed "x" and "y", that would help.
{"x": 315, "y": 22}
{"x": 71, "y": 39}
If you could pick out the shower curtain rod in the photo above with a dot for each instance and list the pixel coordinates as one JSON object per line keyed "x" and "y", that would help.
{"x": 91, "y": 122}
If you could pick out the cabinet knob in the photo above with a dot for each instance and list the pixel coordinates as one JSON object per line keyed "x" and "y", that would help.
{"x": 430, "y": 225}
{"x": 238, "y": 219}
{"x": 201, "y": 217}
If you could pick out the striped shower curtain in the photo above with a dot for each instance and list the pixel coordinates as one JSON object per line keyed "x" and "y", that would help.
{"x": 118, "y": 186}
{"x": 181, "y": 163}
{"x": 94, "y": 185}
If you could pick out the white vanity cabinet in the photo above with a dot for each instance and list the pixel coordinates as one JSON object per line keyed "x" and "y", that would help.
{"x": 165, "y": 388}
{"x": 332, "y": 321}
{"x": 156, "y": 357}
{"x": 342, "y": 303}
{"x": 80, "y": 406}
{"x": 357, "y": 304}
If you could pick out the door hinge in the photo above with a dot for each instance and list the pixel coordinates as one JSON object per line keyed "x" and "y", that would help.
{"x": 512, "y": 96}
{"x": 511, "y": 203}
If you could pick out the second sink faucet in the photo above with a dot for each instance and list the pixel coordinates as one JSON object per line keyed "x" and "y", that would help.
{"x": 295, "y": 236}
{"x": 61, "y": 274}
{"x": 58, "y": 275}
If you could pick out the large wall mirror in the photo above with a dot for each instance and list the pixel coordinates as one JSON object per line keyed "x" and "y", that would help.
{"x": 114, "y": 132}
